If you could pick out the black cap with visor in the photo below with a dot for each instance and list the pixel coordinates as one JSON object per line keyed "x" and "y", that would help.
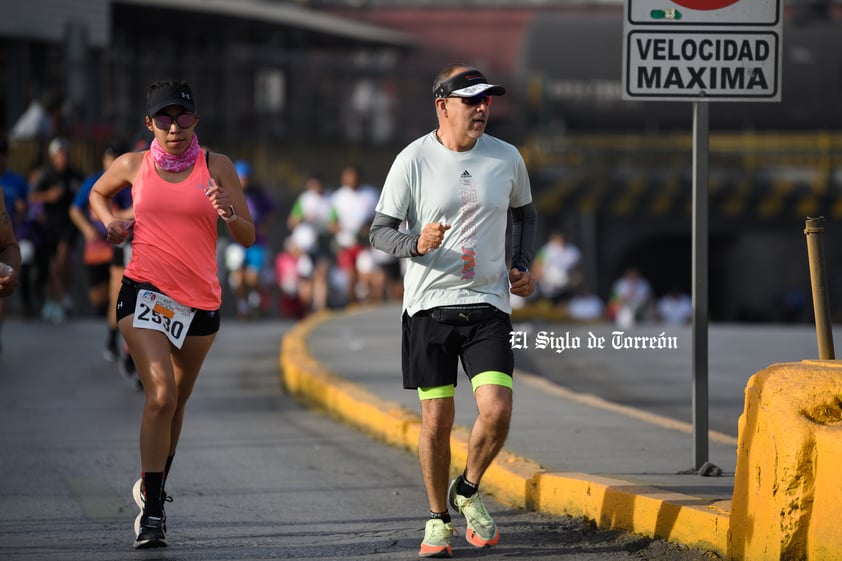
{"x": 173, "y": 93}
{"x": 467, "y": 84}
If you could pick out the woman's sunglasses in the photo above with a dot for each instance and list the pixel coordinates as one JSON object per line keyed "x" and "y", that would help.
{"x": 184, "y": 120}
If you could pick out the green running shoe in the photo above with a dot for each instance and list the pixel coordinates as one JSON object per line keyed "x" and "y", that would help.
{"x": 482, "y": 531}
{"x": 437, "y": 539}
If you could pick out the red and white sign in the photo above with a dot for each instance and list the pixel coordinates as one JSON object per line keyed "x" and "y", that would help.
{"x": 703, "y": 12}
{"x": 705, "y": 4}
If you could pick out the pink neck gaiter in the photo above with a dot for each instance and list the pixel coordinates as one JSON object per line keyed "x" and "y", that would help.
{"x": 172, "y": 162}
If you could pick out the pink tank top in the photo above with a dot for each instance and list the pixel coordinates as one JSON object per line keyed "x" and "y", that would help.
{"x": 174, "y": 244}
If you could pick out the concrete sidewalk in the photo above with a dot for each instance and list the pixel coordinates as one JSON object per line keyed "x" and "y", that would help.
{"x": 566, "y": 453}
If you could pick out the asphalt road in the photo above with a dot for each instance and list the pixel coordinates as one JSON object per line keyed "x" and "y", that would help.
{"x": 257, "y": 475}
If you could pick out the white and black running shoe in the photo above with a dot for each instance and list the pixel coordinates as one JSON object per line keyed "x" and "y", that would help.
{"x": 151, "y": 533}
{"x": 140, "y": 501}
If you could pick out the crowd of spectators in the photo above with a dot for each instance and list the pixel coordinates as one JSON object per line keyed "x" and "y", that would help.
{"x": 324, "y": 260}
{"x": 631, "y": 300}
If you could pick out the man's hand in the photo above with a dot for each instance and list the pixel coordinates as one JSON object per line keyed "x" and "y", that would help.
{"x": 523, "y": 282}
{"x": 431, "y": 237}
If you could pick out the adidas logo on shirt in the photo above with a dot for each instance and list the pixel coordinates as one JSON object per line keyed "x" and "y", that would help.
{"x": 465, "y": 174}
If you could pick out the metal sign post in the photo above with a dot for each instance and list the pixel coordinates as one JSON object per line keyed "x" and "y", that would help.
{"x": 702, "y": 51}
{"x": 701, "y": 147}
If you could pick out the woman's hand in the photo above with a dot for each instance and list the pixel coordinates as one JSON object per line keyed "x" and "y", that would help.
{"x": 8, "y": 280}
{"x": 118, "y": 230}
{"x": 220, "y": 200}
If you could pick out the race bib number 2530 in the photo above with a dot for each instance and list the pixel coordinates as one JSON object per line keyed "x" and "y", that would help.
{"x": 157, "y": 311}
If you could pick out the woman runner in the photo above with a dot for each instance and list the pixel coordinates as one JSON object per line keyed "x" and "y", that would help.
{"x": 168, "y": 308}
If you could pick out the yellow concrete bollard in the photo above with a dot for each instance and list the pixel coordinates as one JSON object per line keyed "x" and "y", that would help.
{"x": 787, "y": 503}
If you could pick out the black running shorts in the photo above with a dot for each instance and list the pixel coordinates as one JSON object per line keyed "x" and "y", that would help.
{"x": 205, "y": 322}
{"x": 432, "y": 347}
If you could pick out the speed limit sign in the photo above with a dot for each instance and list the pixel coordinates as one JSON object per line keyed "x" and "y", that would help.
{"x": 711, "y": 50}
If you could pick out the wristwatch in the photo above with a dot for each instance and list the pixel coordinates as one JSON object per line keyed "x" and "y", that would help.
{"x": 233, "y": 216}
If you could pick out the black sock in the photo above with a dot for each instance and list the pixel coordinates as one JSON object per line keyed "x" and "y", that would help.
{"x": 152, "y": 485}
{"x": 443, "y": 516}
{"x": 466, "y": 488}
{"x": 112, "y": 336}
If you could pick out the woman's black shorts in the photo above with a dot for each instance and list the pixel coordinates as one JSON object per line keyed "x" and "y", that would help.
{"x": 205, "y": 322}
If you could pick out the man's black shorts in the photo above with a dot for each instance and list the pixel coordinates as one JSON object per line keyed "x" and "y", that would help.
{"x": 434, "y": 340}
{"x": 205, "y": 322}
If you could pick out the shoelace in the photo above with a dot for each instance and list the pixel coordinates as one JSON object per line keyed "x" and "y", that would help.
{"x": 443, "y": 530}
{"x": 164, "y": 497}
{"x": 480, "y": 514}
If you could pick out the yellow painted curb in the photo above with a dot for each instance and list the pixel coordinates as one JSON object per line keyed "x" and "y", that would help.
{"x": 615, "y": 503}
{"x": 511, "y": 479}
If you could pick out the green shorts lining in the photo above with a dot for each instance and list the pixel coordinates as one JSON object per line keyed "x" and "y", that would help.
{"x": 436, "y": 392}
{"x": 491, "y": 377}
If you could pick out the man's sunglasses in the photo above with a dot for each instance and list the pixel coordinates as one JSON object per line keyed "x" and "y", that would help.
{"x": 183, "y": 120}
{"x": 476, "y": 100}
